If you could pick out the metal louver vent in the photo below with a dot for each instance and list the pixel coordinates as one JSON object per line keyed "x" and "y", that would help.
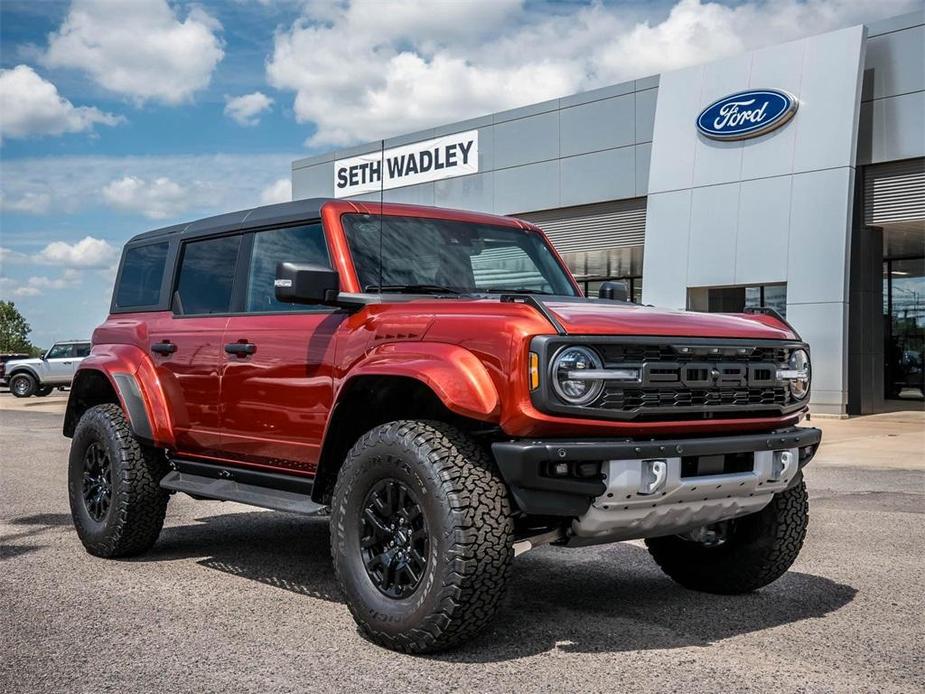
{"x": 595, "y": 227}
{"x": 894, "y": 192}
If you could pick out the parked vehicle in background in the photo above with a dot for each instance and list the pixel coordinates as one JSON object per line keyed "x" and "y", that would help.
{"x": 4, "y": 358}
{"x": 54, "y": 369}
{"x": 436, "y": 379}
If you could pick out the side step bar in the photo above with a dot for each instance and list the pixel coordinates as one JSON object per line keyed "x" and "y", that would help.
{"x": 266, "y": 490}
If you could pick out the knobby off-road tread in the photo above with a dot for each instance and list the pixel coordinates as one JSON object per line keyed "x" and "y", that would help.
{"x": 763, "y": 548}
{"x": 480, "y": 533}
{"x": 138, "y": 502}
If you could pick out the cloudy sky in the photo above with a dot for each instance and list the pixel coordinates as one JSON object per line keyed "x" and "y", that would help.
{"x": 118, "y": 116}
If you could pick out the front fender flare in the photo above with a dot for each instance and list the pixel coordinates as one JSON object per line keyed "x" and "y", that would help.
{"x": 134, "y": 379}
{"x": 455, "y": 375}
{"x": 24, "y": 369}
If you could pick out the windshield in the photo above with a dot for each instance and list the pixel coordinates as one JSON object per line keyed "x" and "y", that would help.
{"x": 439, "y": 256}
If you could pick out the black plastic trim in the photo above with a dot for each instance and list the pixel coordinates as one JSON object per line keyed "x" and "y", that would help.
{"x": 521, "y": 461}
{"x": 537, "y": 303}
{"x": 222, "y": 489}
{"x": 256, "y": 478}
{"x": 135, "y": 404}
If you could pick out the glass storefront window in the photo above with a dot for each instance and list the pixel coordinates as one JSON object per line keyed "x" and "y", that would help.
{"x": 737, "y": 299}
{"x": 634, "y": 285}
{"x": 904, "y": 314}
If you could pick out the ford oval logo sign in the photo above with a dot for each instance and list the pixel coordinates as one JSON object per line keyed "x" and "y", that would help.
{"x": 746, "y": 114}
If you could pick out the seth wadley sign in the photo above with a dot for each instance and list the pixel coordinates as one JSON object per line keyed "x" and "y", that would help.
{"x": 421, "y": 162}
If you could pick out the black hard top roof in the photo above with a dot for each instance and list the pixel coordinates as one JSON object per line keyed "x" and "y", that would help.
{"x": 267, "y": 215}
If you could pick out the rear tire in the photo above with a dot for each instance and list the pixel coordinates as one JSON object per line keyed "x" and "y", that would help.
{"x": 116, "y": 501}
{"x": 758, "y": 548}
{"x": 434, "y": 493}
{"x": 23, "y": 385}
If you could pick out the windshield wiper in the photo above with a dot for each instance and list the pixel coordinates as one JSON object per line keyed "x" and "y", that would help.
{"x": 412, "y": 288}
{"x": 504, "y": 290}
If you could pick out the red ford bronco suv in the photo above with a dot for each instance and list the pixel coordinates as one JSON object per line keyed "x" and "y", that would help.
{"x": 436, "y": 379}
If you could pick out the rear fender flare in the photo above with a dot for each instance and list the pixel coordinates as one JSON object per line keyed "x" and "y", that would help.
{"x": 133, "y": 378}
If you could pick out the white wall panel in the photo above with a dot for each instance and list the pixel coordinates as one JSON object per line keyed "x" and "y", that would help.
{"x": 714, "y": 226}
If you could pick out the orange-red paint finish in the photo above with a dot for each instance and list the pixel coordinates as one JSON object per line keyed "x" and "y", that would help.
{"x": 270, "y": 409}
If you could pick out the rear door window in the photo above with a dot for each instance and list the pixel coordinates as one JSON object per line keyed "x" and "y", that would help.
{"x": 82, "y": 350}
{"x": 142, "y": 272}
{"x": 302, "y": 244}
{"x": 206, "y": 277}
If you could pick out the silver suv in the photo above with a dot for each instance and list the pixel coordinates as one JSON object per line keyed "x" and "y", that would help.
{"x": 54, "y": 369}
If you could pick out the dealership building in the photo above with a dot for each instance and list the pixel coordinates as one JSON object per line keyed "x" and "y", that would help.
{"x": 791, "y": 177}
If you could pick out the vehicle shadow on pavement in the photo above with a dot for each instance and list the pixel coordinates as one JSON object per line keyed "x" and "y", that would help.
{"x": 36, "y": 524}
{"x": 609, "y": 598}
{"x": 277, "y": 549}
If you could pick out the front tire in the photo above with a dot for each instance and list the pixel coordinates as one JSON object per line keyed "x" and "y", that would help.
{"x": 116, "y": 501}
{"x": 23, "y": 385}
{"x": 421, "y": 536}
{"x": 756, "y": 550}
{"x": 43, "y": 391}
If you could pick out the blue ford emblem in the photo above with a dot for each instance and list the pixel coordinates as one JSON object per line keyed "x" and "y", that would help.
{"x": 746, "y": 114}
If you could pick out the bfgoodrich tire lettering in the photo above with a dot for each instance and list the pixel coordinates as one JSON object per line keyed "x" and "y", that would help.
{"x": 134, "y": 515}
{"x": 758, "y": 550}
{"x": 470, "y": 535}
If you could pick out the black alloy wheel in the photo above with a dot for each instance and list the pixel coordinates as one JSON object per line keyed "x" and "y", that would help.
{"x": 393, "y": 539}
{"x": 97, "y": 482}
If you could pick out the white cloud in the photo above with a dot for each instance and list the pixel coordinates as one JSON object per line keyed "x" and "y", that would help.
{"x": 247, "y": 109}
{"x": 360, "y": 72}
{"x": 89, "y": 252}
{"x": 280, "y": 191}
{"x": 210, "y": 183}
{"x": 140, "y": 49}
{"x": 158, "y": 198}
{"x": 37, "y": 284}
{"x": 32, "y": 202}
{"x": 31, "y": 105}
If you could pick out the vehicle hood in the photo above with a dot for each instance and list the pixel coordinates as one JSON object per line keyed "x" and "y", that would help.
{"x": 609, "y": 318}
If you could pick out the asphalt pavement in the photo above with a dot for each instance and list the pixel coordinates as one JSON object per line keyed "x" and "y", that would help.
{"x": 234, "y": 599}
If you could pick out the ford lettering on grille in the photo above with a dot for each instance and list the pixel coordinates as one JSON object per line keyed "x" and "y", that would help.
{"x": 709, "y": 375}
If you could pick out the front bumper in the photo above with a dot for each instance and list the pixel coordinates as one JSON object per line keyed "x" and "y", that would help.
{"x": 612, "y": 506}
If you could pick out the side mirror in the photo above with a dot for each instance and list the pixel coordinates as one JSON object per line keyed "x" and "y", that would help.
{"x": 302, "y": 283}
{"x": 615, "y": 291}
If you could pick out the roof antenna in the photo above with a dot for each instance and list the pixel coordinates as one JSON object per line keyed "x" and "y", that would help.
{"x": 381, "y": 200}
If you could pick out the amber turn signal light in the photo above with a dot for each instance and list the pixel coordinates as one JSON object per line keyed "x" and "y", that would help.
{"x": 534, "y": 371}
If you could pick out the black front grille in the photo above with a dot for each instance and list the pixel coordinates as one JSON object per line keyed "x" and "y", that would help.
{"x": 616, "y": 354}
{"x": 679, "y": 376}
{"x": 676, "y": 378}
{"x": 615, "y": 397}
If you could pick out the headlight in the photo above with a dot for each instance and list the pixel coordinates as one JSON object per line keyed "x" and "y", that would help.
{"x": 566, "y": 375}
{"x": 797, "y": 374}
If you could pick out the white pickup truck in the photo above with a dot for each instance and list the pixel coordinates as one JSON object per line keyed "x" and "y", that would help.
{"x": 52, "y": 370}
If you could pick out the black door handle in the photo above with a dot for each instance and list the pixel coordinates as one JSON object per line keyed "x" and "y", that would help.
{"x": 163, "y": 347}
{"x": 241, "y": 349}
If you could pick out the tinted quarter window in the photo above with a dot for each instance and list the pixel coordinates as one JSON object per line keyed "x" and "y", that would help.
{"x": 142, "y": 272}
{"x": 207, "y": 276}
{"x": 303, "y": 244}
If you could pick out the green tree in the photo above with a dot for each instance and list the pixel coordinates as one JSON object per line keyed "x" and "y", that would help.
{"x": 14, "y": 330}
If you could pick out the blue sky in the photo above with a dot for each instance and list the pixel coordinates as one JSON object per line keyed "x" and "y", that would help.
{"x": 118, "y": 116}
